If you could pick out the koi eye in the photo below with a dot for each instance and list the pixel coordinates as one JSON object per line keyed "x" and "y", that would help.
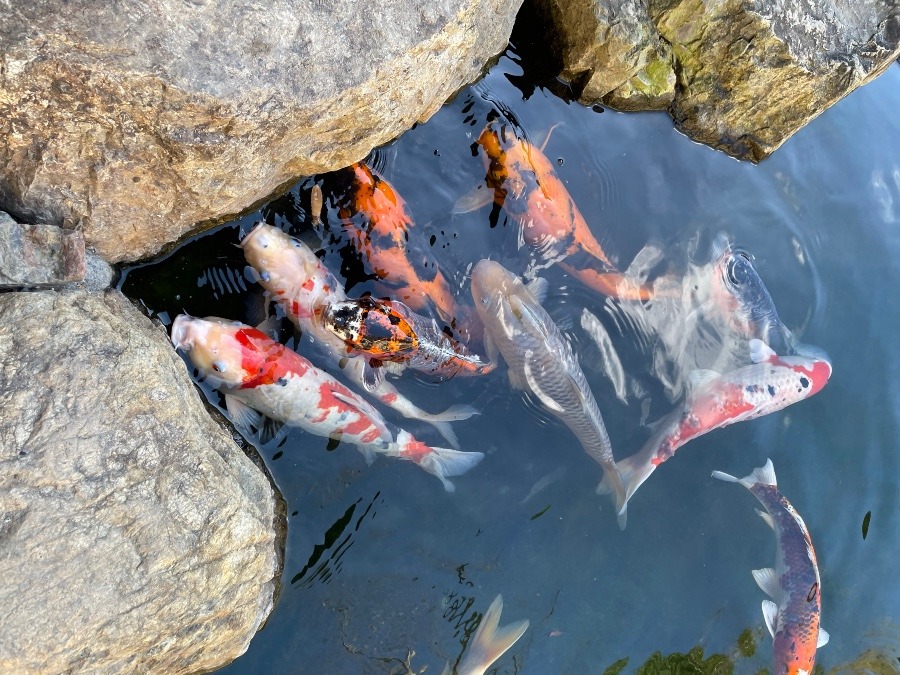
{"x": 265, "y": 276}
{"x": 295, "y": 243}
{"x": 732, "y": 277}
{"x": 219, "y": 366}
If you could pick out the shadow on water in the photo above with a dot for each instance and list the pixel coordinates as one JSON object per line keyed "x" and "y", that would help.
{"x": 380, "y": 562}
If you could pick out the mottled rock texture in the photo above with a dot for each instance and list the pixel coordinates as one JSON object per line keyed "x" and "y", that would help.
{"x": 134, "y": 535}
{"x": 138, "y": 121}
{"x": 747, "y": 73}
{"x": 611, "y": 52}
{"x": 750, "y": 74}
{"x": 39, "y": 255}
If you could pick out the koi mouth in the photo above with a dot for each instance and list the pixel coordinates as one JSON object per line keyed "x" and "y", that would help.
{"x": 180, "y": 330}
{"x": 253, "y": 234}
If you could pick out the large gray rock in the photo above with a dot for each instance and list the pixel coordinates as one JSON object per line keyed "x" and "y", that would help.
{"x": 138, "y": 123}
{"x": 750, "y": 73}
{"x": 134, "y": 534}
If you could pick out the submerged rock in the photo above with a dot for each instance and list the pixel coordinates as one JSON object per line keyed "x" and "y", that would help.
{"x": 739, "y": 75}
{"x": 134, "y": 534}
{"x": 611, "y": 52}
{"x": 137, "y": 125}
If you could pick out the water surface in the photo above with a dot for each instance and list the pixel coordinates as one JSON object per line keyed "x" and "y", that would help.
{"x": 381, "y": 561}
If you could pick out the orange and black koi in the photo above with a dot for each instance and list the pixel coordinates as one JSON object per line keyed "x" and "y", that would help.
{"x": 526, "y": 186}
{"x": 388, "y": 330}
{"x": 386, "y": 241}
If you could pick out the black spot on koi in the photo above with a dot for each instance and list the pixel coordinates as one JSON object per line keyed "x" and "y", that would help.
{"x": 813, "y": 592}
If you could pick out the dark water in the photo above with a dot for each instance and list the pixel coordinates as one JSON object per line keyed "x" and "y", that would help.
{"x": 380, "y": 560}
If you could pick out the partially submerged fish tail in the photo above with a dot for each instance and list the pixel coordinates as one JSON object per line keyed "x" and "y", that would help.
{"x": 613, "y": 485}
{"x": 763, "y": 475}
{"x": 490, "y": 640}
{"x": 633, "y": 471}
{"x": 440, "y": 462}
{"x": 441, "y": 421}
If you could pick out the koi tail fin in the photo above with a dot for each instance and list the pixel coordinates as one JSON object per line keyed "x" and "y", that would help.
{"x": 613, "y": 485}
{"x": 440, "y": 462}
{"x": 763, "y": 475}
{"x": 441, "y": 421}
{"x": 633, "y": 471}
{"x": 490, "y": 641}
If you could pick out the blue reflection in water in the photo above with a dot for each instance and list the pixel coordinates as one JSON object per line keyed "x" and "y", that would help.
{"x": 822, "y": 220}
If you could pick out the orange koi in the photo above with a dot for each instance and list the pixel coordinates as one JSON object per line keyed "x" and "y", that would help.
{"x": 388, "y": 246}
{"x": 525, "y": 184}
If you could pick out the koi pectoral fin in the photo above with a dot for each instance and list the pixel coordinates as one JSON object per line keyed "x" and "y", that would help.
{"x": 765, "y": 578}
{"x": 770, "y": 614}
{"x": 479, "y": 197}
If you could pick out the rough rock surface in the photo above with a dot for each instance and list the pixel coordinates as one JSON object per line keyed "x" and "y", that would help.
{"x": 134, "y": 534}
{"x": 611, "y": 52}
{"x": 138, "y": 124}
{"x": 749, "y": 72}
{"x": 39, "y": 255}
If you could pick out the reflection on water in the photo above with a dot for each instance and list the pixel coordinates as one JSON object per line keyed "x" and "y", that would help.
{"x": 408, "y": 569}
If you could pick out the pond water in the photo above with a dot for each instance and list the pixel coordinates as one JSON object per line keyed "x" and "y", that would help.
{"x": 381, "y": 561}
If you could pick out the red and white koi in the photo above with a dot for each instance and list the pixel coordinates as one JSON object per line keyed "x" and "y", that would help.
{"x": 293, "y": 275}
{"x": 793, "y": 613}
{"x": 768, "y": 385}
{"x": 262, "y": 377}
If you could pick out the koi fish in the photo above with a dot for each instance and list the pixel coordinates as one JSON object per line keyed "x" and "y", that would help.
{"x": 489, "y": 642}
{"x": 743, "y": 300}
{"x": 526, "y": 186}
{"x": 261, "y": 377}
{"x": 293, "y": 275}
{"x": 388, "y": 330}
{"x": 793, "y": 613}
{"x": 387, "y": 242}
{"x": 541, "y": 362}
{"x": 768, "y": 385}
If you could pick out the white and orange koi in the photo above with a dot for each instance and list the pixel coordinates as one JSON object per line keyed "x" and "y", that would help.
{"x": 261, "y": 377}
{"x": 794, "y": 611}
{"x": 768, "y": 385}
{"x": 293, "y": 275}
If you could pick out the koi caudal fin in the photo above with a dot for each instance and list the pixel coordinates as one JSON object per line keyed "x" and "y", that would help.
{"x": 441, "y": 421}
{"x": 489, "y": 642}
{"x": 440, "y": 462}
{"x": 763, "y": 475}
{"x": 612, "y": 484}
{"x": 633, "y": 471}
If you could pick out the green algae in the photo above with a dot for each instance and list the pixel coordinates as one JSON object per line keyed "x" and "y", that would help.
{"x": 746, "y": 644}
